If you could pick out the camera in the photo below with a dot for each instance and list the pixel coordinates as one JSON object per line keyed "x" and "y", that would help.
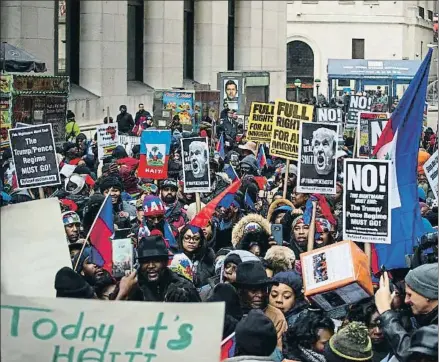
{"x": 426, "y": 252}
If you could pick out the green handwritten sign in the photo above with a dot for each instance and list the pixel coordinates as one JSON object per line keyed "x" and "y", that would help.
{"x": 72, "y": 330}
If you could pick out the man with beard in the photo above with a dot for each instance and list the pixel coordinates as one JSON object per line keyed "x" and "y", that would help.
{"x": 252, "y": 286}
{"x": 155, "y": 278}
{"x": 324, "y": 146}
{"x": 175, "y": 214}
{"x": 122, "y": 210}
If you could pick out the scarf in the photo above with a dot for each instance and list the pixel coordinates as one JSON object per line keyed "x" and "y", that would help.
{"x": 168, "y": 234}
{"x": 311, "y": 356}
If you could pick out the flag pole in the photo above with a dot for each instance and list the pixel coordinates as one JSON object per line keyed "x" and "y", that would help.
{"x": 198, "y": 201}
{"x": 91, "y": 228}
{"x": 287, "y": 170}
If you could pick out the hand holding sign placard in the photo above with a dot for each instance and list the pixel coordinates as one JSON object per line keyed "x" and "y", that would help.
{"x": 65, "y": 330}
{"x": 366, "y": 205}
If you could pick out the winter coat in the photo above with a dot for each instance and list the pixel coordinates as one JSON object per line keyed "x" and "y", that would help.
{"x": 141, "y": 116}
{"x": 156, "y": 292}
{"x": 125, "y": 122}
{"x": 229, "y": 127}
{"x": 249, "y": 359}
{"x": 176, "y": 217}
{"x": 397, "y": 337}
{"x": 279, "y": 322}
{"x": 72, "y": 130}
{"x": 240, "y": 241}
{"x": 219, "y": 184}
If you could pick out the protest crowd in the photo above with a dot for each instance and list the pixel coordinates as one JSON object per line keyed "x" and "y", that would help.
{"x": 270, "y": 227}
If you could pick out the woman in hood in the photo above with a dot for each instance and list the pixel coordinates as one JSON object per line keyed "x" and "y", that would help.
{"x": 288, "y": 296}
{"x": 251, "y": 233}
{"x": 193, "y": 244}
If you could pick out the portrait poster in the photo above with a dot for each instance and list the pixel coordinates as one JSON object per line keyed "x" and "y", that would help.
{"x": 317, "y": 166}
{"x": 155, "y": 147}
{"x": 196, "y": 168}
{"x": 231, "y": 93}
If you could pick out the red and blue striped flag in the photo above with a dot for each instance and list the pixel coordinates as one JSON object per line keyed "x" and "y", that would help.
{"x": 228, "y": 346}
{"x": 262, "y": 160}
{"x": 220, "y": 147}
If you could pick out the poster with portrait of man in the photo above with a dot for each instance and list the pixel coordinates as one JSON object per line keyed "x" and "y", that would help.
{"x": 196, "y": 171}
{"x": 317, "y": 166}
{"x": 231, "y": 93}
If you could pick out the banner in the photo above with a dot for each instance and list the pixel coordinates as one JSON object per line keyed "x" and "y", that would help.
{"x": 154, "y": 154}
{"x": 129, "y": 142}
{"x": 329, "y": 115}
{"x": 107, "y": 139}
{"x": 431, "y": 169}
{"x": 260, "y": 122}
{"x": 366, "y": 204}
{"x": 34, "y": 156}
{"x": 181, "y": 103}
{"x": 285, "y": 137}
{"x": 196, "y": 168}
{"x": 370, "y": 127}
{"x": 357, "y": 104}
{"x": 33, "y": 247}
{"x": 47, "y": 330}
{"x": 317, "y": 166}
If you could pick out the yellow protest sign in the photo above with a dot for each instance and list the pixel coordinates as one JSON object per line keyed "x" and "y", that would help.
{"x": 284, "y": 141}
{"x": 260, "y": 122}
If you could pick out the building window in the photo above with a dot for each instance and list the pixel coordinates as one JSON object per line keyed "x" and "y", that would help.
{"x": 188, "y": 36}
{"x": 357, "y": 48}
{"x": 67, "y": 18}
{"x": 135, "y": 40}
{"x": 300, "y": 65}
{"x": 421, "y": 12}
{"x": 231, "y": 36}
{"x": 430, "y": 15}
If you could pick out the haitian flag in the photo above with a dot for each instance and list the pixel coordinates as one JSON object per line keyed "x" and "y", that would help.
{"x": 220, "y": 147}
{"x": 399, "y": 142}
{"x": 228, "y": 346}
{"x": 154, "y": 154}
{"x": 231, "y": 172}
{"x": 262, "y": 160}
{"x": 100, "y": 234}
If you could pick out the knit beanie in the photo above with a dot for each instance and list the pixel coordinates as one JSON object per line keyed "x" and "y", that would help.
{"x": 69, "y": 284}
{"x": 351, "y": 343}
{"x": 292, "y": 279}
{"x": 255, "y": 335}
{"x": 182, "y": 265}
{"x": 423, "y": 280}
{"x": 153, "y": 206}
{"x": 110, "y": 182}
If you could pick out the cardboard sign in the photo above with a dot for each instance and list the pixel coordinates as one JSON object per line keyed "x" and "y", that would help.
{"x": 65, "y": 330}
{"x": 34, "y": 156}
{"x": 260, "y": 122}
{"x": 284, "y": 141}
{"x": 366, "y": 205}
{"x": 329, "y": 115}
{"x": 155, "y": 146}
{"x": 33, "y": 247}
{"x": 196, "y": 168}
{"x": 370, "y": 127}
{"x": 317, "y": 166}
{"x": 431, "y": 170}
{"x": 330, "y": 283}
{"x": 357, "y": 104}
{"x": 108, "y": 140}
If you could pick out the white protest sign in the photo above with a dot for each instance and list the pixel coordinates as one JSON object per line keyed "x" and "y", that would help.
{"x": 67, "y": 170}
{"x": 325, "y": 114}
{"x": 107, "y": 137}
{"x": 33, "y": 247}
{"x": 431, "y": 170}
{"x": 62, "y": 329}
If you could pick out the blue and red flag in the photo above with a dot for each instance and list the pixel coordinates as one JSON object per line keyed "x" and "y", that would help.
{"x": 249, "y": 201}
{"x": 228, "y": 346}
{"x": 262, "y": 160}
{"x": 155, "y": 146}
{"x": 399, "y": 142}
{"x": 231, "y": 172}
{"x": 220, "y": 147}
{"x": 100, "y": 236}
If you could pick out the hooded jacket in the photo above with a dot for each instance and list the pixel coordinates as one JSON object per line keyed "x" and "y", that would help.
{"x": 219, "y": 184}
{"x": 239, "y": 240}
{"x": 276, "y": 205}
{"x": 176, "y": 216}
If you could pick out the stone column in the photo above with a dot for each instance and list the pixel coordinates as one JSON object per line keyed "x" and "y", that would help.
{"x": 211, "y": 20}
{"x": 163, "y": 43}
{"x": 30, "y": 25}
{"x": 103, "y": 46}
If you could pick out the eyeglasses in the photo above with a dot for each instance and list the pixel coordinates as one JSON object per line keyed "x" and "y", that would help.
{"x": 195, "y": 238}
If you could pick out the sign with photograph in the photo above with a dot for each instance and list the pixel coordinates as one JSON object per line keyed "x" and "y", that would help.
{"x": 329, "y": 115}
{"x": 231, "y": 93}
{"x": 196, "y": 169}
{"x": 61, "y": 329}
{"x": 357, "y": 104}
{"x": 431, "y": 169}
{"x": 366, "y": 205}
{"x": 122, "y": 257}
{"x": 284, "y": 141}
{"x": 317, "y": 166}
{"x": 260, "y": 122}
{"x": 34, "y": 156}
{"x": 370, "y": 127}
{"x": 155, "y": 146}
{"x": 107, "y": 139}
{"x": 182, "y": 104}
